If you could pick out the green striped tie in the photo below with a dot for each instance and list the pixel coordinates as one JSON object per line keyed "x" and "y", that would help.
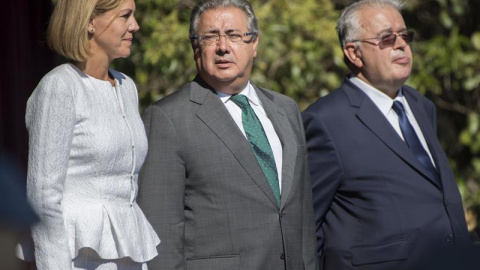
{"x": 259, "y": 143}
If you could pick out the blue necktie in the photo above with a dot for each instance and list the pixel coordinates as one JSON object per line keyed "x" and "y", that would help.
{"x": 259, "y": 143}
{"x": 413, "y": 142}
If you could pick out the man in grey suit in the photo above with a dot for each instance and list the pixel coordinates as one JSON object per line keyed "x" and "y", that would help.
{"x": 225, "y": 183}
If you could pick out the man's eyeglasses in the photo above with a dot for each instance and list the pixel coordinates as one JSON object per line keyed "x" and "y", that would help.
{"x": 389, "y": 40}
{"x": 212, "y": 39}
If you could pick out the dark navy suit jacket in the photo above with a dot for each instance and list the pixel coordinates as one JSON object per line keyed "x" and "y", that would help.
{"x": 375, "y": 205}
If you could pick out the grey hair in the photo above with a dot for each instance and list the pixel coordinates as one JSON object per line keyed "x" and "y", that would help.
{"x": 204, "y": 5}
{"x": 348, "y": 25}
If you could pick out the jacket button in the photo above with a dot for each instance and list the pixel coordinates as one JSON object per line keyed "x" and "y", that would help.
{"x": 449, "y": 238}
{"x": 282, "y": 256}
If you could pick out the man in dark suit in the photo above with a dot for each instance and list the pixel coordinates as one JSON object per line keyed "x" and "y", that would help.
{"x": 225, "y": 183}
{"x": 384, "y": 194}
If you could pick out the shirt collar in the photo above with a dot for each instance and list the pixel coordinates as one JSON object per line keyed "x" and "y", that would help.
{"x": 383, "y": 102}
{"x": 249, "y": 92}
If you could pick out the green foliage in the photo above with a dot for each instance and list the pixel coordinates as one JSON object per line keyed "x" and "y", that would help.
{"x": 162, "y": 58}
{"x": 299, "y": 56}
{"x": 298, "y": 53}
{"x": 447, "y": 69}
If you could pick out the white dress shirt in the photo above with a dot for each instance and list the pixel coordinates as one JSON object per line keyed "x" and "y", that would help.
{"x": 236, "y": 113}
{"x": 385, "y": 103}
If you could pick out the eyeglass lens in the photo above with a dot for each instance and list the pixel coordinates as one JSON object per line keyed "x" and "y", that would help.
{"x": 390, "y": 39}
{"x": 213, "y": 39}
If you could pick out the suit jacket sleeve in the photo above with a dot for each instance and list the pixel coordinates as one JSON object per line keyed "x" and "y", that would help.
{"x": 325, "y": 172}
{"x": 50, "y": 120}
{"x": 162, "y": 188}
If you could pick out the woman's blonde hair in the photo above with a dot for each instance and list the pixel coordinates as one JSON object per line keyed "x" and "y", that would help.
{"x": 68, "y": 28}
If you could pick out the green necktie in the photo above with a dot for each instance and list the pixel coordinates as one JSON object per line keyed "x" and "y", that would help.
{"x": 259, "y": 143}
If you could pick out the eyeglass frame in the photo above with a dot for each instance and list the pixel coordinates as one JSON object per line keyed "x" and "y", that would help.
{"x": 199, "y": 38}
{"x": 409, "y": 39}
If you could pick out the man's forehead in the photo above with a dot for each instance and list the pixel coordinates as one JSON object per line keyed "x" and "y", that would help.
{"x": 381, "y": 20}
{"x": 223, "y": 20}
{"x": 223, "y": 13}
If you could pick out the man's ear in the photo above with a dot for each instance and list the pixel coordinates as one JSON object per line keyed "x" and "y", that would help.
{"x": 353, "y": 54}
{"x": 197, "y": 50}
{"x": 255, "y": 44}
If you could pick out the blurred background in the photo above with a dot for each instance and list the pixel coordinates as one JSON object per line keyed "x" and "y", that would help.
{"x": 299, "y": 55}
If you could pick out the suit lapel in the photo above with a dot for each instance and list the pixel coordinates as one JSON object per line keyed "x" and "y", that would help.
{"x": 373, "y": 119}
{"x": 284, "y": 131}
{"x": 213, "y": 114}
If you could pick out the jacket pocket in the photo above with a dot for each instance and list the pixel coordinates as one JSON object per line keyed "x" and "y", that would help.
{"x": 227, "y": 262}
{"x": 380, "y": 253}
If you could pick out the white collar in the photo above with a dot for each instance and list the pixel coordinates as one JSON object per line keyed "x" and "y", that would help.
{"x": 383, "y": 101}
{"x": 249, "y": 92}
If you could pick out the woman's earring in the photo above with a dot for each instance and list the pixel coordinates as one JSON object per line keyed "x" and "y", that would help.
{"x": 92, "y": 31}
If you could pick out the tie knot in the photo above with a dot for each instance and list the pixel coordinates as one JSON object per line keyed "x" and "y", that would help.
{"x": 398, "y": 107}
{"x": 240, "y": 100}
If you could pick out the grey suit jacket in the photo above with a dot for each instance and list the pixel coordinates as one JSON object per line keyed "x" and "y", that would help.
{"x": 208, "y": 199}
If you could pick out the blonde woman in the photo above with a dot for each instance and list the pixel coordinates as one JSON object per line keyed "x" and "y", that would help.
{"x": 87, "y": 144}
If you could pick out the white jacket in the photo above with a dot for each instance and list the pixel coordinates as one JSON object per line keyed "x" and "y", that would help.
{"x": 86, "y": 146}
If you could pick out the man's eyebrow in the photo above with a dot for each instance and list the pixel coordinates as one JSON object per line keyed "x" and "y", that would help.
{"x": 390, "y": 30}
{"x": 216, "y": 31}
